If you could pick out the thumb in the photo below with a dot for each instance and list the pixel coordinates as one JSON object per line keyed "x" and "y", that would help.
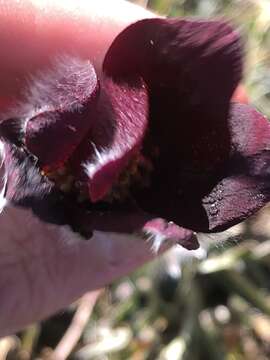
{"x": 33, "y": 31}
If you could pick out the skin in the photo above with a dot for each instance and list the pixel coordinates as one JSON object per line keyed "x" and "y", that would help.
{"x": 43, "y": 268}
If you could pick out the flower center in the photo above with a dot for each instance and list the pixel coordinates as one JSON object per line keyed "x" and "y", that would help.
{"x": 137, "y": 174}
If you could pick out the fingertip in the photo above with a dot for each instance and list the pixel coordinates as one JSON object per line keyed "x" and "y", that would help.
{"x": 34, "y": 31}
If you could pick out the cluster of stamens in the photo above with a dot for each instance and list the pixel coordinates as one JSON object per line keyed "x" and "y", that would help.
{"x": 136, "y": 174}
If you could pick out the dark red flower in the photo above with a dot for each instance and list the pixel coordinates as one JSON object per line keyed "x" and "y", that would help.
{"x": 152, "y": 142}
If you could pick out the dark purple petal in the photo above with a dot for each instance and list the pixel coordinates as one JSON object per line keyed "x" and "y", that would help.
{"x": 11, "y": 131}
{"x": 192, "y": 69}
{"x": 201, "y": 59}
{"x": 26, "y": 187}
{"x": 234, "y": 199}
{"x": 250, "y": 133}
{"x": 66, "y": 99}
{"x": 246, "y": 184}
{"x": 213, "y": 200}
{"x": 120, "y": 125}
{"x": 161, "y": 229}
{"x": 191, "y": 157}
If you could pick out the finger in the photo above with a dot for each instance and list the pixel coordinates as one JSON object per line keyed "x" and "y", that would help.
{"x": 33, "y": 31}
{"x": 44, "y": 267}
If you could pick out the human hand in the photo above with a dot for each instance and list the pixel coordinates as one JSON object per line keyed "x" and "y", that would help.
{"x": 43, "y": 267}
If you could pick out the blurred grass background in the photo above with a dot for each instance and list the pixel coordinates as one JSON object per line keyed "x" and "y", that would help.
{"x": 215, "y": 308}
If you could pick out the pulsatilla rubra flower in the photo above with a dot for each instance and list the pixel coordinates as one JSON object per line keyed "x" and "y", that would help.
{"x": 153, "y": 143}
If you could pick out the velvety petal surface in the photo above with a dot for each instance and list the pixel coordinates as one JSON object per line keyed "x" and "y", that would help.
{"x": 120, "y": 125}
{"x": 245, "y": 187}
{"x": 25, "y": 186}
{"x": 64, "y": 101}
{"x": 188, "y": 56}
{"x": 159, "y": 229}
{"x": 192, "y": 69}
{"x": 215, "y": 200}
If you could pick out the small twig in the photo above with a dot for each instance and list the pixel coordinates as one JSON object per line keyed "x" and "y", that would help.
{"x": 75, "y": 330}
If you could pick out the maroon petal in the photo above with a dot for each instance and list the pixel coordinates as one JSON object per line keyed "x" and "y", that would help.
{"x": 234, "y": 199}
{"x": 192, "y": 69}
{"x": 121, "y": 122}
{"x": 26, "y": 187}
{"x": 213, "y": 200}
{"x": 65, "y": 97}
{"x": 246, "y": 184}
{"x": 192, "y": 154}
{"x": 194, "y": 57}
{"x": 160, "y": 229}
